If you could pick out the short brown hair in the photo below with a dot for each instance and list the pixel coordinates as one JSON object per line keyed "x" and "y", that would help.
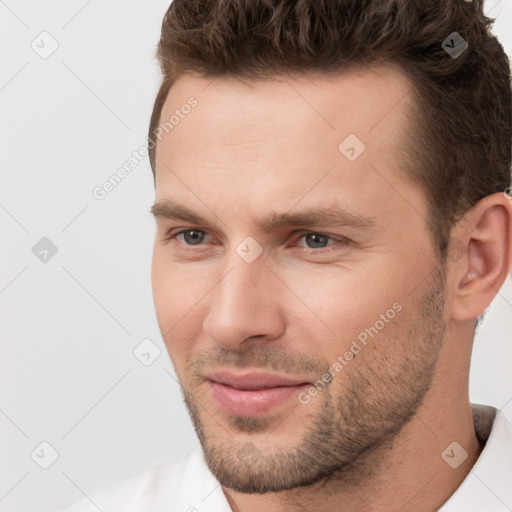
{"x": 460, "y": 133}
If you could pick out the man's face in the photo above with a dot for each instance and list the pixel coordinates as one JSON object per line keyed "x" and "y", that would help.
{"x": 254, "y": 311}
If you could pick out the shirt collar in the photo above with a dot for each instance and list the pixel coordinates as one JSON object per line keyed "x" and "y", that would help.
{"x": 488, "y": 486}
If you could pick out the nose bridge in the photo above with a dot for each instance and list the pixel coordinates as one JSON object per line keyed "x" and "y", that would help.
{"x": 240, "y": 287}
{"x": 242, "y": 304}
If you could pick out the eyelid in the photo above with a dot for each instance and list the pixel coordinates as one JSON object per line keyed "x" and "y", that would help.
{"x": 326, "y": 235}
{"x": 170, "y": 236}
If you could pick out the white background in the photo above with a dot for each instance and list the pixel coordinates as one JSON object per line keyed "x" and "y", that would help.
{"x": 69, "y": 326}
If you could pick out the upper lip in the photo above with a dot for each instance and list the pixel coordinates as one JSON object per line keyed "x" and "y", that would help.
{"x": 252, "y": 380}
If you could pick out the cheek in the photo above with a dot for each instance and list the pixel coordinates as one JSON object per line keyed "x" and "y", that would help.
{"x": 180, "y": 302}
{"x": 176, "y": 288}
{"x": 343, "y": 303}
{"x": 170, "y": 295}
{"x": 162, "y": 282}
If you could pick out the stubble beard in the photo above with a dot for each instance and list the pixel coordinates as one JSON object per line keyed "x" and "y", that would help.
{"x": 369, "y": 408}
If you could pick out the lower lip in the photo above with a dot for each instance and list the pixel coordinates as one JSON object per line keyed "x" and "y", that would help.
{"x": 241, "y": 402}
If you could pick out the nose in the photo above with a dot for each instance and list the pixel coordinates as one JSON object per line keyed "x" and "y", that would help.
{"x": 244, "y": 305}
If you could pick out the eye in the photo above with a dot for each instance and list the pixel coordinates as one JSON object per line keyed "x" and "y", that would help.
{"x": 317, "y": 240}
{"x": 311, "y": 241}
{"x": 191, "y": 236}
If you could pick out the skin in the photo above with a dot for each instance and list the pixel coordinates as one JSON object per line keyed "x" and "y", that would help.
{"x": 372, "y": 439}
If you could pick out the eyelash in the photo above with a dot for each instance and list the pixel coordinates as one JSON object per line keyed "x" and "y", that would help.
{"x": 170, "y": 236}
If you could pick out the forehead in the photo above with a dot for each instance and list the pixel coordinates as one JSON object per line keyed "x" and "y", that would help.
{"x": 358, "y": 99}
{"x": 276, "y": 138}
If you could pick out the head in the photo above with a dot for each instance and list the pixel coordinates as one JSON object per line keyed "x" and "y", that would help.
{"x": 329, "y": 197}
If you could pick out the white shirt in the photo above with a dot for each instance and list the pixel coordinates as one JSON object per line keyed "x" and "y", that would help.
{"x": 187, "y": 485}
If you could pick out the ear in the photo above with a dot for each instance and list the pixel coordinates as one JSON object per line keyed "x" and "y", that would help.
{"x": 480, "y": 255}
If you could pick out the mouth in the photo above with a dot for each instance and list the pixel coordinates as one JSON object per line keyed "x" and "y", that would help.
{"x": 252, "y": 393}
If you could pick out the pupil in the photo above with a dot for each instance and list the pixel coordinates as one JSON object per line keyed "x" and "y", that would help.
{"x": 319, "y": 239}
{"x": 193, "y": 240}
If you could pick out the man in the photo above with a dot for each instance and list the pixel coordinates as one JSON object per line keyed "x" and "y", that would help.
{"x": 333, "y": 218}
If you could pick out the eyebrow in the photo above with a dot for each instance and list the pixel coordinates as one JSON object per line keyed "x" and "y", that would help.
{"x": 333, "y": 215}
